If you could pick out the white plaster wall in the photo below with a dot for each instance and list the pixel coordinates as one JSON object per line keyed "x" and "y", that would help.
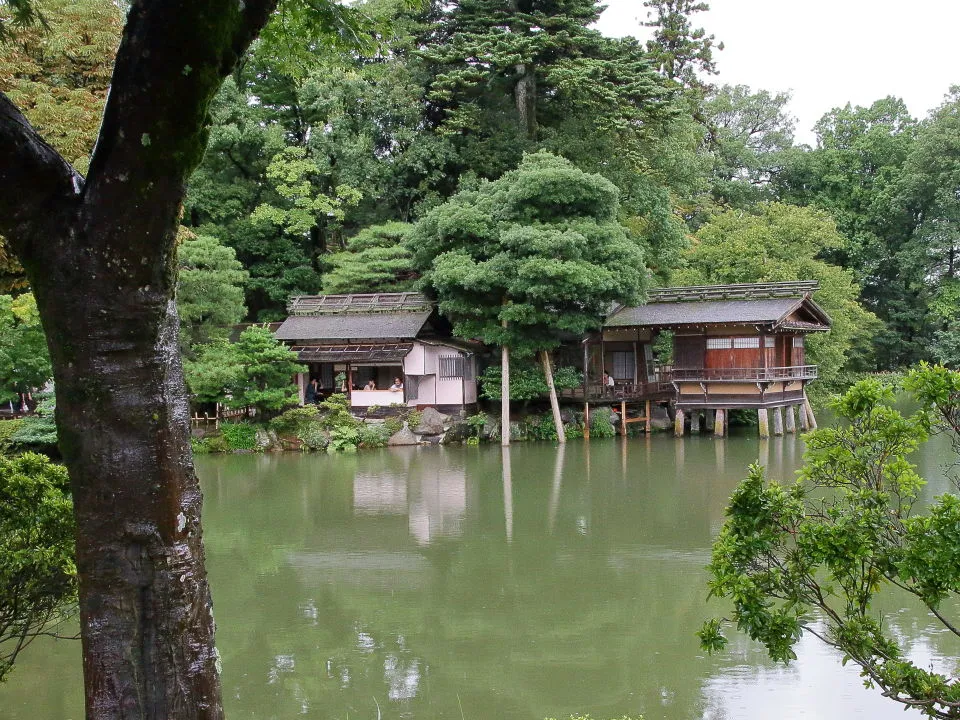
{"x": 413, "y": 363}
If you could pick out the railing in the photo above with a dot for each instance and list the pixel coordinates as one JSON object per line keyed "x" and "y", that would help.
{"x": 631, "y": 391}
{"x": 796, "y": 372}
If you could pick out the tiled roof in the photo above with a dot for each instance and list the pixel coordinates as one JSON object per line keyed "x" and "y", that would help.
{"x": 353, "y": 326}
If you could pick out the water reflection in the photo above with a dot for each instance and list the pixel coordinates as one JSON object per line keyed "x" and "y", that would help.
{"x": 483, "y": 583}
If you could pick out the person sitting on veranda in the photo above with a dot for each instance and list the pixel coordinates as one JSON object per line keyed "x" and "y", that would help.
{"x": 311, "y": 393}
{"x": 397, "y": 385}
{"x": 371, "y": 385}
{"x": 608, "y": 383}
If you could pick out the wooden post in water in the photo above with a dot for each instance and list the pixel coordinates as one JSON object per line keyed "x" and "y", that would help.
{"x": 694, "y": 422}
{"x": 791, "y": 420}
{"x": 802, "y": 414}
{"x": 678, "y": 424}
{"x": 778, "y": 421}
{"x": 586, "y": 421}
{"x": 720, "y": 423}
{"x": 763, "y": 422}
{"x": 811, "y": 418}
{"x": 623, "y": 418}
{"x": 649, "y": 427}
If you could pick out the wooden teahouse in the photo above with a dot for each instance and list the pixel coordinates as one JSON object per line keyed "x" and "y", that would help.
{"x": 734, "y": 347}
{"x": 360, "y": 344}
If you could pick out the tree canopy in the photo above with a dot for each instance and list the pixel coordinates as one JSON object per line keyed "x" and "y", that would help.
{"x": 524, "y": 259}
{"x": 776, "y": 242}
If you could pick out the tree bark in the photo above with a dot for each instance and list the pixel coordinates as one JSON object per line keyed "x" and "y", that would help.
{"x": 101, "y": 258}
{"x": 554, "y": 403}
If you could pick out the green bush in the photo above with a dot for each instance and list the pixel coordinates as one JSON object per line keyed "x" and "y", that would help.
{"x": 539, "y": 427}
{"x": 290, "y": 422}
{"x": 393, "y": 425}
{"x": 527, "y": 382}
{"x": 601, "y": 427}
{"x": 313, "y": 437}
{"x": 239, "y": 436}
{"x": 374, "y": 436}
{"x": 477, "y": 423}
{"x": 573, "y": 430}
{"x": 199, "y": 446}
{"x": 37, "y": 431}
{"x": 343, "y": 439}
{"x": 7, "y": 429}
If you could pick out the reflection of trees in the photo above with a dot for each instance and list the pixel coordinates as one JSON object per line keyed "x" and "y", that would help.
{"x": 595, "y": 616}
{"x": 328, "y": 597}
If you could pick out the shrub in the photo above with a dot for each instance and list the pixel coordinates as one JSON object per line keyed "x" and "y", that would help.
{"x": 7, "y": 429}
{"x": 601, "y": 427}
{"x": 477, "y": 423}
{"x": 38, "y": 431}
{"x": 393, "y": 425}
{"x": 313, "y": 437}
{"x": 239, "y": 436}
{"x": 199, "y": 446}
{"x": 343, "y": 439}
{"x": 539, "y": 427}
{"x": 573, "y": 430}
{"x": 373, "y": 436}
{"x": 290, "y": 422}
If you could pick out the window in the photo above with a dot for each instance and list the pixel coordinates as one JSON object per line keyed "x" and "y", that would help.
{"x": 769, "y": 341}
{"x": 798, "y": 342}
{"x": 718, "y": 344}
{"x": 455, "y": 366}
{"x": 746, "y": 343}
{"x": 623, "y": 365}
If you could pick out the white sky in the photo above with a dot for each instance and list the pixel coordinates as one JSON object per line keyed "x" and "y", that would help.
{"x": 827, "y": 52}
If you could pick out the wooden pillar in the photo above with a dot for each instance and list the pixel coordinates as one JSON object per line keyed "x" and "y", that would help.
{"x": 720, "y": 423}
{"x": 678, "y": 424}
{"x": 778, "y": 421}
{"x": 709, "y": 419}
{"x": 811, "y": 419}
{"x": 764, "y": 423}
{"x": 694, "y": 422}
{"x": 802, "y": 414}
{"x": 623, "y": 418}
{"x": 791, "y": 420}
{"x": 649, "y": 427}
{"x": 586, "y": 421}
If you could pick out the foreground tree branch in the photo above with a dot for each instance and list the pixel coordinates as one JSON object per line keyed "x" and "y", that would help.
{"x": 100, "y": 256}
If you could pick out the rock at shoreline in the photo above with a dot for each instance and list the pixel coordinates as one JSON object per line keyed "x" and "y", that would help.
{"x": 431, "y": 422}
{"x": 403, "y": 436}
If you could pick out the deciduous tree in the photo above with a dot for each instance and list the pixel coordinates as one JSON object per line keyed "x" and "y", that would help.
{"x": 813, "y": 556}
{"x": 100, "y": 254}
{"x": 774, "y": 242}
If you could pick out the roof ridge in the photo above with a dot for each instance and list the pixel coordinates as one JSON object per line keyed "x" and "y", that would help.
{"x": 302, "y": 305}
{"x": 738, "y": 291}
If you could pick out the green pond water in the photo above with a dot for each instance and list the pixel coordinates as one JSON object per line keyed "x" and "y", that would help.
{"x": 429, "y": 583}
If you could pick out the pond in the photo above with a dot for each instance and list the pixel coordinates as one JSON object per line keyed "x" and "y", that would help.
{"x": 428, "y": 583}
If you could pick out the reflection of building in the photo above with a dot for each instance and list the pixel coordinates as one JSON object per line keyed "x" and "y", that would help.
{"x": 352, "y": 342}
{"x": 434, "y": 501}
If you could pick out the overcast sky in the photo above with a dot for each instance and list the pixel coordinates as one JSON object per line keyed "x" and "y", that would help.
{"x": 827, "y": 52}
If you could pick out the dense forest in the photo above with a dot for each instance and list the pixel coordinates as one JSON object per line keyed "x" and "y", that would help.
{"x": 323, "y": 157}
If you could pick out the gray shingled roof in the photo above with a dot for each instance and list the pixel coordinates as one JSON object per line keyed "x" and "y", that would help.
{"x": 746, "y": 312}
{"x": 352, "y": 326}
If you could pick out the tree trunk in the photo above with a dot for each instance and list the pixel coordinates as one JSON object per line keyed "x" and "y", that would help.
{"x": 504, "y": 395}
{"x": 101, "y": 257}
{"x": 525, "y": 94}
{"x": 554, "y": 403}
